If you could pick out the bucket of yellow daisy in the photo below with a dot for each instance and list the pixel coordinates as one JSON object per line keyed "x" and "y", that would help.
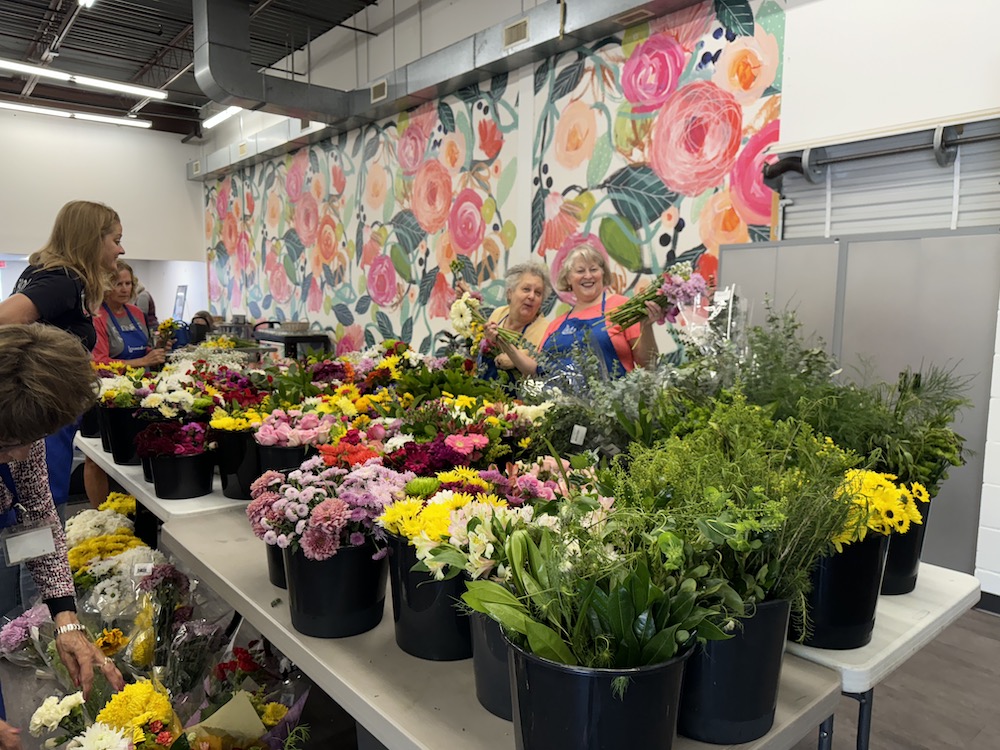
{"x": 427, "y": 622}
{"x": 840, "y": 608}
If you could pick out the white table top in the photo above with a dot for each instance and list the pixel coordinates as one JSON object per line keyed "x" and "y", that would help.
{"x": 130, "y": 477}
{"x": 904, "y": 624}
{"x": 405, "y": 702}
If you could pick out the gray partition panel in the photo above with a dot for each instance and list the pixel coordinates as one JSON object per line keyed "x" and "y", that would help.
{"x": 931, "y": 300}
{"x": 797, "y": 276}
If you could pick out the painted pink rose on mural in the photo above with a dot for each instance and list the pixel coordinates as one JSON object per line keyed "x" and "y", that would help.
{"x": 338, "y": 182}
{"x": 326, "y": 240}
{"x": 465, "y": 222}
{"x": 452, "y": 152}
{"x": 307, "y": 219}
{"x": 751, "y": 197}
{"x": 376, "y": 186}
{"x": 215, "y": 291}
{"x": 696, "y": 137}
{"x": 431, "y": 199}
{"x": 490, "y": 138}
{"x": 241, "y": 258}
{"x": 382, "y": 281}
{"x": 651, "y": 74}
{"x": 410, "y": 149}
{"x": 314, "y": 300}
{"x": 748, "y": 65}
{"x": 295, "y": 177}
{"x": 352, "y": 340}
{"x": 720, "y": 224}
{"x": 230, "y": 232}
{"x": 569, "y": 246}
{"x": 576, "y": 134}
{"x": 442, "y": 297}
{"x": 222, "y": 199}
{"x": 278, "y": 284}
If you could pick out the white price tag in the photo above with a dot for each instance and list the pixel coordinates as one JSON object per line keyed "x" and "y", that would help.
{"x": 142, "y": 570}
{"x": 578, "y": 435}
{"x": 27, "y": 545}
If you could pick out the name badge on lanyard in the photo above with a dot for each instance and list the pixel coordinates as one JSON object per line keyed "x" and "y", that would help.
{"x": 28, "y": 543}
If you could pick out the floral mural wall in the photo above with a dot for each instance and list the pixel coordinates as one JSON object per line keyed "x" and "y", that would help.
{"x": 651, "y": 143}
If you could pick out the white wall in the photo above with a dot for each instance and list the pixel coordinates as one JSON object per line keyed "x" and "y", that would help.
{"x": 988, "y": 547}
{"x": 48, "y": 161}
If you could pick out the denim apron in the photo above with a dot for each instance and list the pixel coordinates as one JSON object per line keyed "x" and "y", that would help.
{"x": 487, "y": 366}
{"x": 135, "y": 341}
{"x": 580, "y": 333}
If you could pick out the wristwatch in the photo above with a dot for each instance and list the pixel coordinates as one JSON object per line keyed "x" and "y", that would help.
{"x": 69, "y": 628}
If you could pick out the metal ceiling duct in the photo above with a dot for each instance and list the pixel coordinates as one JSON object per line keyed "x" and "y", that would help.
{"x": 224, "y": 72}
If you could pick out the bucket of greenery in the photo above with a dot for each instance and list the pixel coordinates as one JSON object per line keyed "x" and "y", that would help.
{"x": 601, "y": 608}
{"x": 770, "y": 488}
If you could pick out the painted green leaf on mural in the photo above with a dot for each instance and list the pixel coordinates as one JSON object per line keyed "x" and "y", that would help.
{"x": 290, "y": 270}
{"x": 735, "y": 15}
{"x": 371, "y": 148}
{"x": 358, "y": 142}
{"x": 600, "y": 161}
{"x": 426, "y": 287}
{"x": 293, "y": 245}
{"x": 269, "y": 181}
{"x": 567, "y": 80}
{"x": 254, "y": 309}
{"x": 620, "y": 241}
{"x": 408, "y": 230}
{"x": 506, "y": 182}
{"x": 549, "y": 303}
{"x": 384, "y": 325}
{"x": 364, "y": 301}
{"x": 541, "y": 74}
{"x": 342, "y": 141}
{"x": 400, "y": 260}
{"x": 328, "y": 277}
{"x": 498, "y": 85}
{"x": 407, "y": 332}
{"x": 425, "y": 345}
{"x": 489, "y": 209}
{"x": 314, "y": 161}
{"x": 468, "y": 270}
{"x": 634, "y": 36}
{"x": 759, "y": 233}
{"x": 537, "y": 216}
{"x": 359, "y": 242}
{"x": 508, "y": 233}
{"x": 469, "y": 93}
{"x": 447, "y": 116}
{"x": 220, "y": 251}
{"x": 691, "y": 256}
{"x": 343, "y": 313}
{"x": 390, "y": 201}
{"x": 267, "y": 302}
{"x": 639, "y": 194}
{"x": 370, "y": 337}
{"x": 462, "y": 126}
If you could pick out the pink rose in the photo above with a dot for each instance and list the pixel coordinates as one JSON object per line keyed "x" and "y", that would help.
{"x": 465, "y": 222}
{"x": 382, "y": 281}
{"x": 431, "y": 196}
{"x": 338, "y": 182}
{"x": 650, "y": 75}
{"x": 351, "y": 341}
{"x": 696, "y": 137}
{"x": 295, "y": 177}
{"x": 376, "y": 432}
{"x": 314, "y": 301}
{"x": 241, "y": 258}
{"x": 751, "y": 197}
{"x": 442, "y": 297}
{"x": 222, "y": 199}
{"x": 280, "y": 287}
{"x": 410, "y": 149}
{"x": 307, "y": 219}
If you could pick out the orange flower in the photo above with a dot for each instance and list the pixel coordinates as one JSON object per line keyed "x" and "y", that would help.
{"x": 720, "y": 223}
{"x": 576, "y": 133}
{"x": 376, "y": 186}
{"x": 230, "y": 230}
{"x": 442, "y": 297}
{"x": 560, "y": 223}
{"x": 431, "y": 199}
{"x": 326, "y": 246}
{"x": 444, "y": 250}
{"x": 274, "y": 207}
{"x": 338, "y": 182}
{"x": 453, "y": 152}
{"x": 317, "y": 189}
{"x": 748, "y": 66}
{"x": 490, "y": 138}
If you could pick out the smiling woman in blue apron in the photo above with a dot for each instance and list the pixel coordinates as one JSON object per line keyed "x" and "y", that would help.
{"x": 121, "y": 326}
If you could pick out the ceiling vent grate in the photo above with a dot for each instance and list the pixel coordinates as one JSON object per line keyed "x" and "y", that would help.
{"x": 379, "y": 90}
{"x": 633, "y": 17}
{"x": 196, "y": 167}
{"x": 515, "y": 34}
{"x": 242, "y": 149}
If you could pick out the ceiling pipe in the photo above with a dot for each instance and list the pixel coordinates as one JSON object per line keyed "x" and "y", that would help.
{"x": 52, "y": 50}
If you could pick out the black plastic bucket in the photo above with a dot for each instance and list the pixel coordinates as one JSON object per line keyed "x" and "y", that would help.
{"x": 903, "y": 561}
{"x": 239, "y": 465}
{"x": 147, "y": 469}
{"x": 281, "y": 458}
{"x": 489, "y": 665}
{"x": 123, "y": 426}
{"x": 90, "y": 423}
{"x": 183, "y": 477}
{"x": 276, "y": 566}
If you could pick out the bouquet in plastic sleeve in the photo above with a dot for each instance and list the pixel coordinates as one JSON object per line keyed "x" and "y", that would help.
{"x": 165, "y": 594}
{"x": 142, "y": 712}
{"x": 108, "y": 589}
{"x": 678, "y": 285}
{"x": 19, "y": 636}
{"x": 194, "y": 645}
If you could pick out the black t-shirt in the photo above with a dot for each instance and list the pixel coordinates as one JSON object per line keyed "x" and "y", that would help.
{"x": 58, "y": 295}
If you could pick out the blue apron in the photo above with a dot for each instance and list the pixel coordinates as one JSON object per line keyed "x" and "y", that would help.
{"x": 135, "y": 341}
{"x": 488, "y": 369}
{"x": 576, "y": 334}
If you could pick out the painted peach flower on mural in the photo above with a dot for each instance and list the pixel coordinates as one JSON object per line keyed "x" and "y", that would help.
{"x": 576, "y": 133}
{"x": 382, "y": 281}
{"x": 751, "y": 197}
{"x": 490, "y": 138}
{"x": 748, "y": 65}
{"x": 376, "y": 186}
{"x": 338, "y": 182}
{"x": 273, "y": 211}
{"x": 444, "y": 250}
{"x": 295, "y": 177}
{"x": 352, "y": 340}
{"x": 230, "y": 231}
{"x": 410, "y": 149}
{"x": 431, "y": 198}
{"x": 442, "y": 297}
{"x": 696, "y": 137}
{"x": 465, "y": 222}
{"x": 307, "y": 219}
{"x": 560, "y": 223}
{"x": 651, "y": 73}
{"x": 720, "y": 224}
{"x": 453, "y": 152}
{"x": 370, "y": 250}
{"x": 278, "y": 283}
{"x": 241, "y": 257}
{"x": 325, "y": 251}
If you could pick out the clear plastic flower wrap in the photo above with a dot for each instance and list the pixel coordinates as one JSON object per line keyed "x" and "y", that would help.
{"x": 195, "y": 644}
{"x": 18, "y": 637}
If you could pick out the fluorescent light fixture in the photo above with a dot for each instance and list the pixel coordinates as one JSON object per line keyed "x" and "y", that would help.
{"x": 86, "y": 81}
{"x": 224, "y": 115}
{"x": 129, "y": 121}
{"x": 86, "y": 3}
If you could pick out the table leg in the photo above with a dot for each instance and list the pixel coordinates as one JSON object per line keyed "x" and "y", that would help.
{"x": 864, "y": 716}
{"x": 147, "y": 525}
{"x": 826, "y": 734}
